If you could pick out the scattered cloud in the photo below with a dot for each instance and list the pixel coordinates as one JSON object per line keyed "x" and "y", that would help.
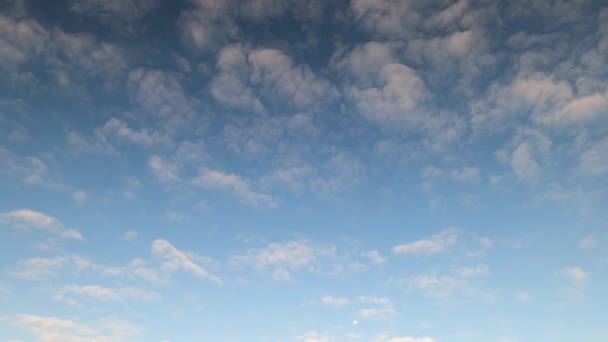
{"x": 71, "y": 294}
{"x": 576, "y": 275}
{"x": 50, "y": 329}
{"x": 24, "y": 219}
{"x": 436, "y": 244}
{"x": 129, "y": 235}
{"x": 376, "y": 308}
{"x": 375, "y": 257}
{"x": 175, "y": 259}
{"x": 234, "y": 184}
{"x": 334, "y": 301}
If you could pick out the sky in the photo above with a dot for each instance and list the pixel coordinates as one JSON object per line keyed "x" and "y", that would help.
{"x": 303, "y": 170}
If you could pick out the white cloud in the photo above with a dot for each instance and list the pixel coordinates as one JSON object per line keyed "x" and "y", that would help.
{"x": 313, "y": 336}
{"x": 522, "y": 296}
{"x": 40, "y": 268}
{"x": 24, "y": 219}
{"x": 79, "y": 196}
{"x": 101, "y": 293}
{"x": 436, "y": 244}
{"x": 30, "y": 170}
{"x": 403, "y": 339}
{"x": 175, "y": 259}
{"x": 532, "y": 95}
{"x": 334, "y": 301}
{"x": 376, "y": 308}
{"x": 129, "y": 235}
{"x": 576, "y": 275}
{"x": 259, "y": 79}
{"x": 588, "y": 242}
{"x": 164, "y": 171}
{"x": 115, "y": 129}
{"x": 285, "y": 257}
{"x": 375, "y": 257}
{"x": 594, "y": 160}
{"x": 161, "y": 94}
{"x": 206, "y": 23}
{"x": 212, "y": 179}
{"x": 476, "y": 271}
{"x": 53, "y": 329}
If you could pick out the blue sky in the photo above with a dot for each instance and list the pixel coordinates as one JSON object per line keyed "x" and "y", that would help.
{"x": 316, "y": 171}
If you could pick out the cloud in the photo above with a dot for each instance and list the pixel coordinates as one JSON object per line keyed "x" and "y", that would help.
{"x": 115, "y": 129}
{"x": 588, "y": 242}
{"x": 594, "y": 160}
{"x": 313, "y": 336}
{"x": 375, "y": 257}
{"x": 458, "y": 282}
{"x": 30, "y": 170}
{"x": 436, "y": 244}
{"x": 175, "y": 259}
{"x": 164, "y": 171}
{"x": 79, "y": 196}
{"x": 534, "y": 95}
{"x": 403, "y": 339}
{"x": 160, "y": 94}
{"x": 576, "y": 275}
{"x": 129, "y": 235}
{"x": 40, "y": 268}
{"x": 53, "y": 329}
{"x": 127, "y": 11}
{"x": 284, "y": 257}
{"x": 207, "y": 23}
{"x": 376, "y": 308}
{"x": 334, "y": 301}
{"x": 525, "y": 152}
{"x": 105, "y": 294}
{"x": 260, "y": 79}
{"x": 24, "y": 219}
{"x": 234, "y": 184}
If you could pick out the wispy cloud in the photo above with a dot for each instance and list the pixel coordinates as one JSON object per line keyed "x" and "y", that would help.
{"x": 24, "y": 219}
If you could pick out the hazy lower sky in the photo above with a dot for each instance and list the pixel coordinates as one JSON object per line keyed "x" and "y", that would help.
{"x": 303, "y": 170}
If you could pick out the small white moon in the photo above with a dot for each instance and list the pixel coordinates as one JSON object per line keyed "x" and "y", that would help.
{"x": 355, "y": 322}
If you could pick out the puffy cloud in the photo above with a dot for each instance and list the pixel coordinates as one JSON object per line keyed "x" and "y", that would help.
{"x": 387, "y": 18}
{"x": 29, "y": 219}
{"x": 260, "y": 79}
{"x": 161, "y": 94}
{"x": 436, "y": 244}
{"x": 536, "y": 95}
{"x": 375, "y": 257}
{"x": 175, "y": 259}
{"x": 207, "y": 23}
{"x": 212, "y": 179}
{"x": 116, "y": 129}
{"x": 576, "y": 275}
